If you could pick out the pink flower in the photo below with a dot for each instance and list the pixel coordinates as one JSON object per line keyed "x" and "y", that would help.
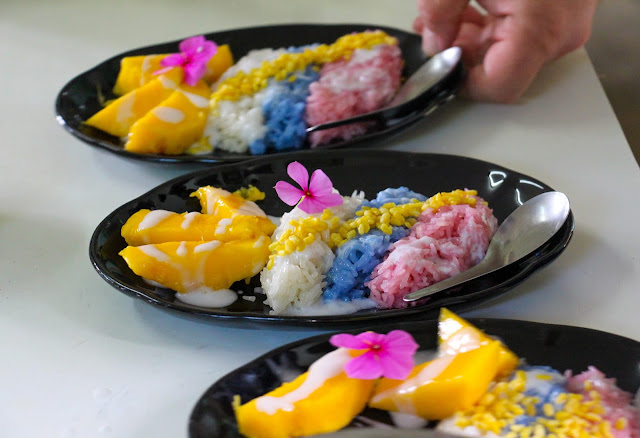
{"x": 194, "y": 54}
{"x": 389, "y": 355}
{"x": 313, "y": 196}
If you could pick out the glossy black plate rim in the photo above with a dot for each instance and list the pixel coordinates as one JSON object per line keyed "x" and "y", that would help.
{"x": 482, "y": 289}
{"x": 544, "y": 335}
{"x": 446, "y": 93}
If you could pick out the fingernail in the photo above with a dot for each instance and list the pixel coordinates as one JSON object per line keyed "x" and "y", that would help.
{"x": 429, "y": 42}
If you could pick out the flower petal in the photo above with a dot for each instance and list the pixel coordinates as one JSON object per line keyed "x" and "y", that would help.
{"x": 205, "y": 52}
{"x": 401, "y": 342}
{"x": 364, "y": 367}
{"x": 299, "y": 174}
{"x": 372, "y": 338}
{"x": 320, "y": 183}
{"x": 347, "y": 341}
{"x": 329, "y": 200}
{"x": 311, "y": 205}
{"x": 173, "y": 60}
{"x": 190, "y": 46}
{"x": 395, "y": 366}
{"x": 193, "y": 72}
{"x": 289, "y": 194}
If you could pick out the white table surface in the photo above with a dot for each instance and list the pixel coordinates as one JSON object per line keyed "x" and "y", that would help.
{"x": 80, "y": 359}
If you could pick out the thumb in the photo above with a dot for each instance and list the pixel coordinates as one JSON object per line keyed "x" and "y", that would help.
{"x": 439, "y": 22}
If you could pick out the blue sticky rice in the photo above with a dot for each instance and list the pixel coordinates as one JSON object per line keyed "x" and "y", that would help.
{"x": 401, "y": 195}
{"x": 354, "y": 262}
{"x": 546, "y": 384}
{"x": 283, "y": 110}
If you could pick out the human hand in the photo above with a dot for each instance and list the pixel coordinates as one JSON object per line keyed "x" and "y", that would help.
{"x": 505, "y": 48}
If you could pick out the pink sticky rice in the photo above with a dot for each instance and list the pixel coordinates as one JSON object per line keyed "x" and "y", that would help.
{"x": 616, "y": 402}
{"x": 439, "y": 245}
{"x": 347, "y": 88}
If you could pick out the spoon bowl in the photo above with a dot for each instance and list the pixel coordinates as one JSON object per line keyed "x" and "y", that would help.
{"x": 523, "y": 232}
{"x": 427, "y": 88}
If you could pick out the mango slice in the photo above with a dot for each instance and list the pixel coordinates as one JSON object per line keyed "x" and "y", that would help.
{"x": 174, "y": 124}
{"x": 159, "y": 226}
{"x": 456, "y": 335}
{"x": 189, "y": 266}
{"x": 224, "y": 204}
{"x": 136, "y": 71}
{"x": 437, "y": 389}
{"x": 319, "y": 401}
{"x": 118, "y": 117}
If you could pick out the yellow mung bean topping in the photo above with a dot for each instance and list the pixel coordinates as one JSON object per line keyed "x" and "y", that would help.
{"x": 573, "y": 416}
{"x": 283, "y": 67}
{"x": 391, "y": 215}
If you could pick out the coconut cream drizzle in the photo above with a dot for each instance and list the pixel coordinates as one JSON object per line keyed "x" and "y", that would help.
{"x": 206, "y": 246}
{"x": 196, "y": 100}
{"x": 223, "y": 225}
{"x": 168, "y": 114}
{"x": 328, "y": 366}
{"x": 153, "y": 218}
{"x": 188, "y": 219}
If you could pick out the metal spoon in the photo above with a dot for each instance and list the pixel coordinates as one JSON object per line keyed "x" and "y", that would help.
{"x": 525, "y": 230}
{"x": 441, "y": 74}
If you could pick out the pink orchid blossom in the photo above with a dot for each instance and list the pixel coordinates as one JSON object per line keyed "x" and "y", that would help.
{"x": 389, "y": 355}
{"x": 313, "y": 196}
{"x": 194, "y": 54}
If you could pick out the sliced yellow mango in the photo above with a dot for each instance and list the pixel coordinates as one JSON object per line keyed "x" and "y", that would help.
{"x": 119, "y": 116}
{"x": 174, "y": 124}
{"x": 456, "y": 335}
{"x": 159, "y": 226}
{"x": 136, "y": 71}
{"x": 437, "y": 389}
{"x": 188, "y": 266}
{"x": 218, "y": 64}
{"x": 311, "y": 404}
{"x": 224, "y": 204}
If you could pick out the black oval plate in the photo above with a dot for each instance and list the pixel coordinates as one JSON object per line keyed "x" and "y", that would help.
{"x": 561, "y": 347}
{"x": 349, "y": 170}
{"x": 79, "y": 99}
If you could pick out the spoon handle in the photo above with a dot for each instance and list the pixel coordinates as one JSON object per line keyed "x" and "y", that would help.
{"x": 482, "y": 268}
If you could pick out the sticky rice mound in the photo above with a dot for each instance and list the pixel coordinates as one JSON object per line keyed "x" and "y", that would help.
{"x": 346, "y": 88}
{"x": 617, "y": 402}
{"x": 354, "y": 262}
{"x": 440, "y": 245}
{"x": 399, "y": 196}
{"x": 298, "y": 278}
{"x": 235, "y": 124}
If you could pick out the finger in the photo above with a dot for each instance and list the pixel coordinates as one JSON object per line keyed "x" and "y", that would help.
{"x": 440, "y": 20}
{"x": 506, "y": 72}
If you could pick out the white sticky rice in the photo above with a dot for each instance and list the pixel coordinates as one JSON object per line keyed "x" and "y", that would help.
{"x": 297, "y": 279}
{"x": 237, "y": 123}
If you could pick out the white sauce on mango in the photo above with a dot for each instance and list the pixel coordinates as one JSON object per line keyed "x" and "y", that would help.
{"x": 168, "y": 114}
{"x": 153, "y": 218}
{"x": 206, "y": 246}
{"x": 154, "y": 252}
{"x": 223, "y": 225}
{"x": 188, "y": 219}
{"x": 328, "y": 366}
{"x": 196, "y": 100}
